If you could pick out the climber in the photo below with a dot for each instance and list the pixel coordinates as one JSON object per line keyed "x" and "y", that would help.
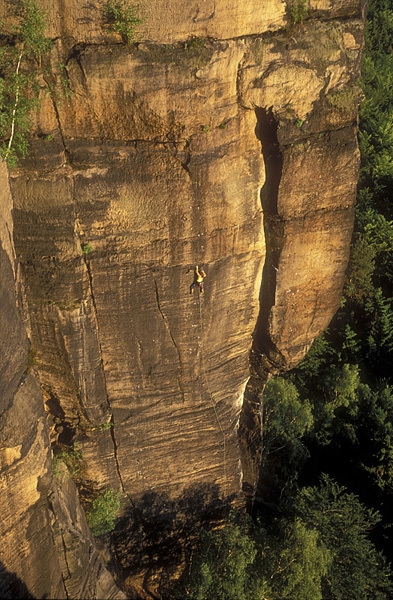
{"x": 199, "y": 276}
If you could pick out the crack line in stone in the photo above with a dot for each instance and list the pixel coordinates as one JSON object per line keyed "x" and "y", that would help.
{"x": 164, "y": 318}
{"x": 57, "y": 114}
{"x": 115, "y": 448}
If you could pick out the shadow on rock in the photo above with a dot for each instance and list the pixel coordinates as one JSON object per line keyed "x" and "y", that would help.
{"x": 152, "y": 541}
{"x": 11, "y": 586}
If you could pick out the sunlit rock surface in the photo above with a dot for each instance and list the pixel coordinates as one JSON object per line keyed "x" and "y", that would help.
{"x": 47, "y": 550}
{"x": 225, "y": 138}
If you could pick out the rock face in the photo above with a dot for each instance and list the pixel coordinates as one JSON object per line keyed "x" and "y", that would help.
{"x": 226, "y": 137}
{"x": 47, "y": 549}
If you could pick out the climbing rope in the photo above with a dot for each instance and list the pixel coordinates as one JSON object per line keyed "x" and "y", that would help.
{"x": 214, "y": 404}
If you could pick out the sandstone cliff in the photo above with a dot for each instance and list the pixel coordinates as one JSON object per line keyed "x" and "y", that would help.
{"x": 47, "y": 549}
{"x": 225, "y": 137}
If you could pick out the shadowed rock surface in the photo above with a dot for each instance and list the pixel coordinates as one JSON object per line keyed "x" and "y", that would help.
{"x": 226, "y": 137}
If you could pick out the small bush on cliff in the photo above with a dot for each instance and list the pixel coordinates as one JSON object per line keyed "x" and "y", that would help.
{"x": 20, "y": 62}
{"x": 101, "y": 518}
{"x": 123, "y": 19}
{"x": 298, "y": 11}
{"x": 71, "y": 457}
{"x": 87, "y": 248}
{"x": 345, "y": 100}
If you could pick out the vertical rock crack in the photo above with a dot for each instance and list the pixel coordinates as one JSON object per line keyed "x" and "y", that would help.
{"x": 164, "y": 318}
{"x": 264, "y": 356}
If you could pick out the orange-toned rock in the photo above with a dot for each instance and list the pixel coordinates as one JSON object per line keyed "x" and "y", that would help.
{"x": 225, "y": 138}
{"x": 47, "y": 549}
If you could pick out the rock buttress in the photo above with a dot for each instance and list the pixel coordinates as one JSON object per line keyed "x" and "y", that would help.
{"x": 153, "y": 164}
{"x": 151, "y": 174}
{"x": 46, "y": 550}
{"x": 306, "y": 108}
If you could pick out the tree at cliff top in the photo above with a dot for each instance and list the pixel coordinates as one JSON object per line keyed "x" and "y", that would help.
{"x": 20, "y": 62}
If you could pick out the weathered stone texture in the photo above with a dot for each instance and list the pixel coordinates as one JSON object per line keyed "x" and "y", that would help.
{"x": 236, "y": 150}
{"x": 168, "y": 176}
{"x": 80, "y": 560}
{"x": 32, "y": 562}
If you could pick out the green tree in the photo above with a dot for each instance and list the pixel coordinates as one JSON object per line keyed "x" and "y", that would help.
{"x": 337, "y": 403}
{"x": 219, "y": 565}
{"x": 291, "y": 561}
{"x": 359, "y": 278}
{"x": 20, "y": 63}
{"x": 374, "y": 435}
{"x": 357, "y": 570}
{"x": 286, "y": 419}
{"x": 246, "y": 561}
{"x": 318, "y": 550}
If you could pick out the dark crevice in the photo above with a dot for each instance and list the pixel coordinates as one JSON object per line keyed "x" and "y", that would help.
{"x": 64, "y": 431}
{"x": 61, "y": 133}
{"x": 55, "y": 407}
{"x": 181, "y": 151}
{"x": 264, "y": 357}
{"x": 69, "y": 572}
{"x": 76, "y": 53}
{"x": 66, "y": 434}
{"x": 115, "y": 454}
{"x": 266, "y": 132}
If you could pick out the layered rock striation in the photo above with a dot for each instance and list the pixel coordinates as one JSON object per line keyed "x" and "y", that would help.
{"x": 225, "y": 137}
{"x": 47, "y": 549}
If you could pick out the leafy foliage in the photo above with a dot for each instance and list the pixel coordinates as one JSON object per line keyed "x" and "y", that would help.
{"x": 71, "y": 457}
{"x": 298, "y": 11}
{"x": 123, "y": 19}
{"x": 359, "y": 282}
{"x": 318, "y": 550}
{"x": 292, "y": 561}
{"x": 19, "y": 66}
{"x": 286, "y": 419}
{"x": 357, "y": 570}
{"x": 87, "y": 248}
{"x": 102, "y": 516}
{"x": 219, "y": 566}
